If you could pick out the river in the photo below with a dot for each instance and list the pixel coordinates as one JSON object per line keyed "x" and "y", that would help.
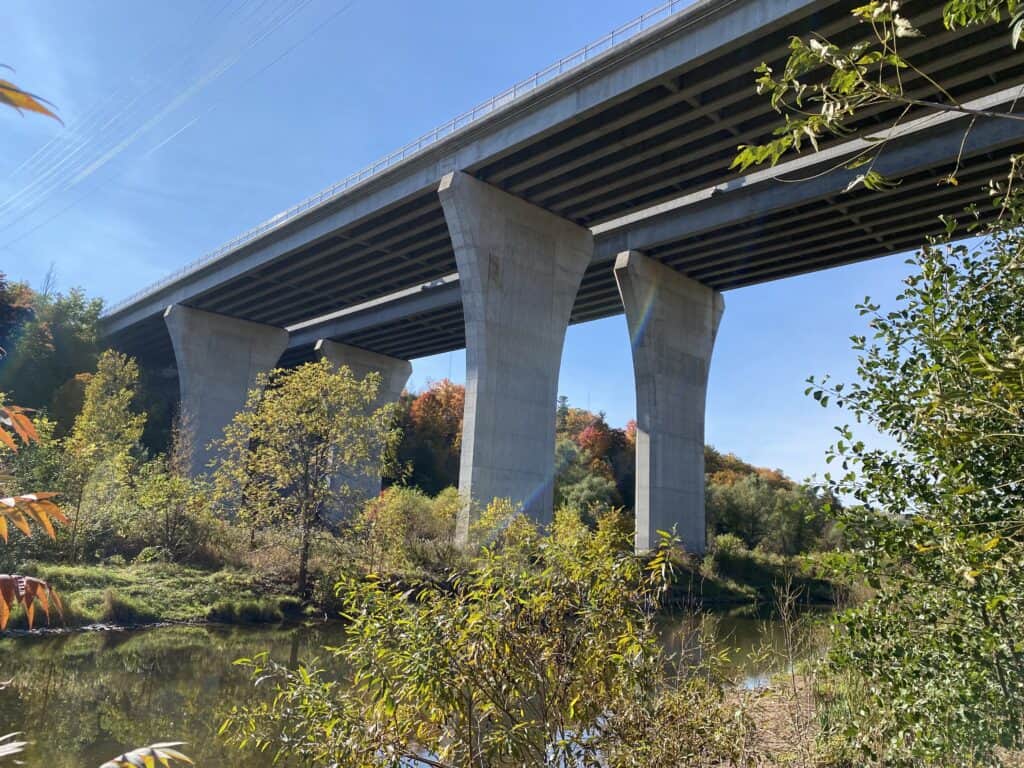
{"x": 82, "y": 698}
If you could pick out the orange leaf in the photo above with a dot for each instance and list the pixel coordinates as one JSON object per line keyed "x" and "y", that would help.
{"x": 8, "y": 589}
{"x": 13, "y": 96}
{"x": 23, "y": 426}
{"x": 19, "y": 521}
{"x": 6, "y": 439}
{"x": 55, "y": 599}
{"x": 40, "y": 515}
{"x": 3, "y": 528}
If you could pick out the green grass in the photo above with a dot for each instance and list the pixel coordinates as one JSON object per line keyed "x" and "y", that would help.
{"x": 734, "y": 575}
{"x": 158, "y": 592}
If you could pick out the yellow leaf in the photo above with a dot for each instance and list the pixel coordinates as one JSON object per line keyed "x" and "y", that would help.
{"x": 19, "y": 521}
{"x": 13, "y": 96}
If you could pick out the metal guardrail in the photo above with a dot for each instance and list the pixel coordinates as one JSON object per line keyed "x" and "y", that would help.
{"x": 566, "y": 64}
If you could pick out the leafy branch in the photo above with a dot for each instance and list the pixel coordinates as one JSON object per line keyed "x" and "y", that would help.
{"x": 823, "y": 87}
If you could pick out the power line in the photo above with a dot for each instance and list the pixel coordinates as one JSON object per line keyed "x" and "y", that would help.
{"x": 311, "y": 33}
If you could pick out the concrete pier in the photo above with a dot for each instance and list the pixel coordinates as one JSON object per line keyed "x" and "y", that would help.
{"x": 218, "y": 360}
{"x": 672, "y": 324}
{"x": 520, "y": 268}
{"x": 394, "y": 375}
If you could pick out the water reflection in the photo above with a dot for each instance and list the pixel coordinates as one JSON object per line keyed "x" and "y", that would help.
{"x": 751, "y": 649}
{"x": 83, "y": 698}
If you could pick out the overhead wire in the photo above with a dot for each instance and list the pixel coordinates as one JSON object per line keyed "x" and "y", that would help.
{"x": 250, "y": 78}
{"x": 71, "y": 169}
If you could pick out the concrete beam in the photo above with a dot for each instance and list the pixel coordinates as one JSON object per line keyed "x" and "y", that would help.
{"x": 686, "y": 39}
{"x": 929, "y": 142}
{"x": 672, "y": 325}
{"x": 219, "y": 359}
{"x": 520, "y": 268}
{"x": 385, "y": 310}
{"x": 394, "y": 375}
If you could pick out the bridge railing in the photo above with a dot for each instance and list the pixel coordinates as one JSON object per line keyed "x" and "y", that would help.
{"x": 568, "y": 63}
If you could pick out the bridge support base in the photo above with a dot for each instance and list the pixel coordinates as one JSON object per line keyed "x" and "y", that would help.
{"x": 218, "y": 359}
{"x": 672, "y": 324}
{"x": 520, "y": 268}
{"x": 394, "y": 375}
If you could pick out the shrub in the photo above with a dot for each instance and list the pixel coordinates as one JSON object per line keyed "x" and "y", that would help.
{"x": 124, "y": 611}
{"x": 152, "y": 555}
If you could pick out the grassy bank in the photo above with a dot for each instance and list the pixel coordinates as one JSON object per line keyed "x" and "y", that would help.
{"x": 160, "y": 592}
{"x": 732, "y": 575}
{"x": 148, "y": 593}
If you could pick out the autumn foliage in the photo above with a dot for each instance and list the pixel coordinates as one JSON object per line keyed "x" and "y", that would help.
{"x": 431, "y": 422}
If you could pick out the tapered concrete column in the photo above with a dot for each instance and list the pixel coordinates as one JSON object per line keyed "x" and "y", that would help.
{"x": 520, "y": 268}
{"x": 672, "y": 325}
{"x": 394, "y": 375}
{"x": 218, "y": 359}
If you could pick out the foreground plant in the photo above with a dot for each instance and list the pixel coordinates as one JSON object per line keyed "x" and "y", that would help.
{"x": 163, "y": 754}
{"x": 931, "y": 670}
{"x": 543, "y": 653}
{"x": 826, "y": 88}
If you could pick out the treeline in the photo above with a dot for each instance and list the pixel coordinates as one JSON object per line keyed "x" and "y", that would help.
{"x": 98, "y": 422}
{"x": 595, "y": 470}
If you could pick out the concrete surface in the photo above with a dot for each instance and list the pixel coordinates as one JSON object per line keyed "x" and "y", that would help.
{"x": 672, "y": 324}
{"x": 219, "y": 359}
{"x": 520, "y": 268}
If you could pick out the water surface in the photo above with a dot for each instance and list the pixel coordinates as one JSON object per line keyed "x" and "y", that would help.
{"x": 85, "y": 697}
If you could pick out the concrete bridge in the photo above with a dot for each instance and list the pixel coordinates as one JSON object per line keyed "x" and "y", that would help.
{"x": 599, "y": 186}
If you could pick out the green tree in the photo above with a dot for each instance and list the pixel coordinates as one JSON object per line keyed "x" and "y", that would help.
{"x": 282, "y": 456}
{"x": 172, "y": 509}
{"x": 103, "y": 448}
{"x": 786, "y": 520}
{"x": 59, "y": 341}
{"x": 940, "y": 520}
{"x": 15, "y": 310}
{"x": 929, "y": 671}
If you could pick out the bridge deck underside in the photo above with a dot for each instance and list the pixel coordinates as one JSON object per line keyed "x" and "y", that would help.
{"x": 831, "y": 231}
{"x": 672, "y": 136}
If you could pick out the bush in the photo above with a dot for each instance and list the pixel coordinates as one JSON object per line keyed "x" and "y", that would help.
{"x": 405, "y": 529}
{"x": 263, "y": 611}
{"x": 152, "y": 555}
{"x": 124, "y": 611}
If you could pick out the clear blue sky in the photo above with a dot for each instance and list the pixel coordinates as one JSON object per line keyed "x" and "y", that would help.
{"x": 189, "y": 122}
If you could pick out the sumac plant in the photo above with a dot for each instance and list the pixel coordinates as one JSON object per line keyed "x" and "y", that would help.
{"x": 26, "y": 591}
{"x": 163, "y": 755}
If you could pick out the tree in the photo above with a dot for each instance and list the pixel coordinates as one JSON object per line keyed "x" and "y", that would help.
{"x": 59, "y": 341}
{"x": 930, "y": 670}
{"x": 940, "y": 520}
{"x": 594, "y": 463}
{"x": 432, "y": 436}
{"x": 173, "y": 507}
{"x": 787, "y": 520}
{"x": 15, "y": 310}
{"x": 301, "y": 430}
{"x": 103, "y": 447}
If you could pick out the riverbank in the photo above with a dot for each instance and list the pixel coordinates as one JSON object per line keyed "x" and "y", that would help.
{"x": 153, "y": 593}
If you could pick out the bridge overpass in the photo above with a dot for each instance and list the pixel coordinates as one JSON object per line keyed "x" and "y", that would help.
{"x": 598, "y": 186}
